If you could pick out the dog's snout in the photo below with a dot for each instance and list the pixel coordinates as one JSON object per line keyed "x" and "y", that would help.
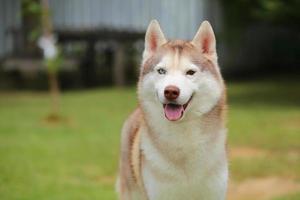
{"x": 171, "y": 92}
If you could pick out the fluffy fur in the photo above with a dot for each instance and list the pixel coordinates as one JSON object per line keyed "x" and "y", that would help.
{"x": 184, "y": 158}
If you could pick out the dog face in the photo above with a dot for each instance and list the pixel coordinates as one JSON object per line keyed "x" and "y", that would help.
{"x": 179, "y": 78}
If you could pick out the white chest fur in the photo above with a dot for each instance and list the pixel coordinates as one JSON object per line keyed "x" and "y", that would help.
{"x": 183, "y": 162}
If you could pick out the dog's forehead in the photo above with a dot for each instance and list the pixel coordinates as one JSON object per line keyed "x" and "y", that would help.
{"x": 176, "y": 54}
{"x": 179, "y": 49}
{"x": 174, "y": 62}
{"x": 180, "y": 54}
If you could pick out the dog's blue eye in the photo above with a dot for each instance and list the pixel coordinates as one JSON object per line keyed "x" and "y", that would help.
{"x": 161, "y": 71}
{"x": 190, "y": 72}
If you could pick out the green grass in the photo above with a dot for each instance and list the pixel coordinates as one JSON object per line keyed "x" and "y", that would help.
{"x": 265, "y": 115}
{"x": 77, "y": 159}
{"x": 294, "y": 196}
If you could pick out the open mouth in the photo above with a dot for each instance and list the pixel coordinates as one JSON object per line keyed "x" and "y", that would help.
{"x": 173, "y": 111}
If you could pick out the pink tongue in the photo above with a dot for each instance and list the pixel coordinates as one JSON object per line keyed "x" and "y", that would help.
{"x": 173, "y": 112}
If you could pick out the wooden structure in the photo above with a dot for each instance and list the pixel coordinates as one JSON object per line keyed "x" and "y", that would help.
{"x": 114, "y": 21}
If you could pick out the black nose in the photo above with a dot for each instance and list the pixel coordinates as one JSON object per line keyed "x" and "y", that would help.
{"x": 171, "y": 92}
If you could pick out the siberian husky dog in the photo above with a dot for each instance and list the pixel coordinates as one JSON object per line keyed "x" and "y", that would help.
{"x": 173, "y": 144}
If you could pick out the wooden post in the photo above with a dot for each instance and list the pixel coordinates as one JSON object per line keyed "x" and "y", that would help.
{"x": 119, "y": 65}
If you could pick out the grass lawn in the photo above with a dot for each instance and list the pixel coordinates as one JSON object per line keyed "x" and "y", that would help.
{"x": 77, "y": 159}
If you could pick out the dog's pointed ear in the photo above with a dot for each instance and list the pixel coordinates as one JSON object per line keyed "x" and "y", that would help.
{"x": 154, "y": 38}
{"x": 205, "y": 40}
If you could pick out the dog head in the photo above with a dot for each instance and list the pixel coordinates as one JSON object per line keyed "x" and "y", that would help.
{"x": 179, "y": 78}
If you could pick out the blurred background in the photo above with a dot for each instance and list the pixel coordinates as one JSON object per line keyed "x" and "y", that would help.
{"x": 68, "y": 70}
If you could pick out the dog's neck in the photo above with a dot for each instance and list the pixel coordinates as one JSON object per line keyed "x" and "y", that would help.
{"x": 185, "y": 141}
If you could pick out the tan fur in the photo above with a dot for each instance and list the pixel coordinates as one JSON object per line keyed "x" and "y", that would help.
{"x": 133, "y": 160}
{"x": 130, "y": 165}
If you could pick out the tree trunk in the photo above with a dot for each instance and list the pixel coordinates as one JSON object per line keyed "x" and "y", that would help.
{"x": 52, "y": 75}
{"x": 54, "y": 91}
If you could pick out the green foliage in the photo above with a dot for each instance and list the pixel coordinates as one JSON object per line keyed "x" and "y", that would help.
{"x": 53, "y": 65}
{"x": 31, "y": 7}
{"x": 35, "y": 34}
{"x": 31, "y": 10}
{"x": 275, "y": 11}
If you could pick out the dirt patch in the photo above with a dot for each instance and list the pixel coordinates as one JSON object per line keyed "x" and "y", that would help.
{"x": 54, "y": 118}
{"x": 292, "y": 124}
{"x": 250, "y": 152}
{"x": 262, "y": 188}
{"x": 246, "y": 152}
{"x": 108, "y": 180}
